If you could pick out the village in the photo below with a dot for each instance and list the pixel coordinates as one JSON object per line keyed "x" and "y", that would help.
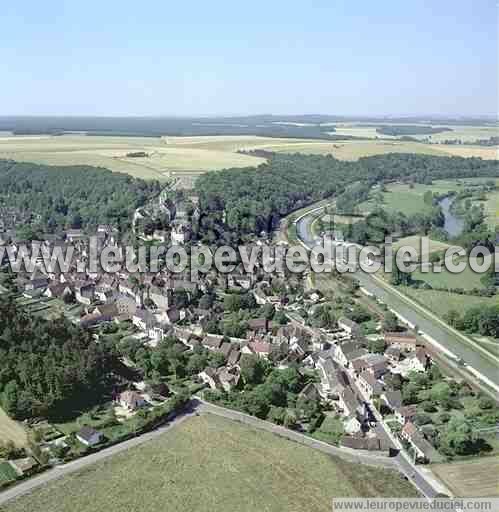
{"x": 363, "y": 381}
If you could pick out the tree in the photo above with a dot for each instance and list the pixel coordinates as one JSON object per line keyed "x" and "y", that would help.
{"x": 440, "y": 392}
{"x": 252, "y": 369}
{"x": 390, "y": 322}
{"x": 377, "y": 345}
{"x": 458, "y": 437}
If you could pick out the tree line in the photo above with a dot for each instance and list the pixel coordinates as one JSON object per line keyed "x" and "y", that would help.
{"x": 236, "y": 203}
{"x": 62, "y": 197}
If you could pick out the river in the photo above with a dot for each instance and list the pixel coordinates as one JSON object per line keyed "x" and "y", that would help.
{"x": 453, "y": 225}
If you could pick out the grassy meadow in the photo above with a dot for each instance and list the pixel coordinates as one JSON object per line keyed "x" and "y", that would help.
{"x": 10, "y": 430}
{"x": 210, "y": 463}
{"x": 189, "y": 156}
{"x": 474, "y": 478}
{"x": 409, "y": 199}
{"x": 440, "y": 302}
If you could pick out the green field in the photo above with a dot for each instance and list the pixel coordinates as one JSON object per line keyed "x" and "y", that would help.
{"x": 445, "y": 279}
{"x": 165, "y": 155}
{"x": 11, "y": 430}
{"x": 186, "y": 157}
{"x": 409, "y": 199}
{"x": 209, "y": 463}
{"x": 414, "y": 241}
{"x": 440, "y": 302}
{"x": 464, "y": 133}
{"x": 7, "y": 473}
{"x": 474, "y": 478}
{"x": 492, "y": 209}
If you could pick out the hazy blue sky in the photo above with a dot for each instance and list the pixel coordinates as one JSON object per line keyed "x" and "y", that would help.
{"x": 227, "y": 57}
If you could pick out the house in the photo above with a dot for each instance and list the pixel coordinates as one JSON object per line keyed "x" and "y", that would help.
{"x": 352, "y": 425}
{"x": 57, "y": 291}
{"x": 209, "y": 376}
{"x": 392, "y": 399}
{"x": 131, "y": 400}
{"x": 349, "y": 403}
{"x": 84, "y": 292}
{"x": 126, "y": 306}
{"x": 374, "y": 363}
{"x": 225, "y": 349}
{"x": 417, "y": 361}
{"x": 406, "y": 340}
{"x": 38, "y": 283}
{"x": 260, "y": 348}
{"x": 347, "y": 352}
{"x": 310, "y": 392}
{"x": 89, "y": 436}
{"x": 369, "y": 385}
{"x": 405, "y": 413}
{"x": 240, "y": 280}
{"x": 25, "y": 466}
{"x": 349, "y": 326}
{"x": 333, "y": 380}
{"x": 144, "y": 320}
{"x": 103, "y": 293}
{"x": 180, "y": 233}
{"x": 161, "y": 297}
{"x": 234, "y": 357}
{"x": 392, "y": 353}
{"x": 75, "y": 235}
{"x": 212, "y": 341}
{"x": 423, "y": 450}
{"x": 258, "y": 325}
{"x": 228, "y": 379}
{"x": 354, "y": 442}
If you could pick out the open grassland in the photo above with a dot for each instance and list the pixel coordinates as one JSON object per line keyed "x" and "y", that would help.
{"x": 414, "y": 241}
{"x": 11, "y": 431}
{"x": 487, "y": 153}
{"x": 7, "y": 473}
{"x": 492, "y": 209}
{"x": 409, "y": 199}
{"x": 209, "y": 463}
{"x": 440, "y": 302}
{"x": 464, "y": 133}
{"x": 188, "y": 156}
{"x": 164, "y": 155}
{"x": 445, "y": 279}
{"x": 476, "y": 478}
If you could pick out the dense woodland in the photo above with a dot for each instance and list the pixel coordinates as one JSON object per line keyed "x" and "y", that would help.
{"x": 48, "y": 368}
{"x": 72, "y": 196}
{"x": 238, "y": 202}
{"x": 406, "y": 129}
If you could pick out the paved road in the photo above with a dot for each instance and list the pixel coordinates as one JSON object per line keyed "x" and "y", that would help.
{"x": 198, "y": 406}
{"x": 485, "y": 363}
{"x": 347, "y": 454}
{"x": 57, "y": 472}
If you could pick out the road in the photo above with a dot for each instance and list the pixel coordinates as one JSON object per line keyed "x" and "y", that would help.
{"x": 199, "y": 406}
{"x": 57, "y": 472}
{"x": 483, "y": 362}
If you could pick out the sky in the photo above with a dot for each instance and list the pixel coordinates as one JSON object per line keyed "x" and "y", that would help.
{"x": 198, "y": 58}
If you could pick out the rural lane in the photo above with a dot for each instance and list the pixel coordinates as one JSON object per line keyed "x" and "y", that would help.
{"x": 199, "y": 406}
{"x": 57, "y": 472}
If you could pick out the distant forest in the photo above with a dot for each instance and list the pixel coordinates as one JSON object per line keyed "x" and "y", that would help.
{"x": 72, "y": 196}
{"x": 406, "y": 129}
{"x": 236, "y": 203}
{"x": 303, "y": 126}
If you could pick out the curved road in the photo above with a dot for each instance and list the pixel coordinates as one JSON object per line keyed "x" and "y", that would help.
{"x": 199, "y": 406}
{"x": 483, "y": 362}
